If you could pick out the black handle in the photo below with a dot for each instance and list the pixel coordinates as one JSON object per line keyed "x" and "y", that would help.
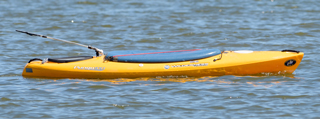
{"x": 34, "y": 59}
{"x": 290, "y": 51}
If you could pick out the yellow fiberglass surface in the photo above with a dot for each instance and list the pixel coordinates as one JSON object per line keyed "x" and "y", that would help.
{"x": 227, "y": 63}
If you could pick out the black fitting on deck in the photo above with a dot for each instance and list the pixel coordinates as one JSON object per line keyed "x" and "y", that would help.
{"x": 290, "y": 51}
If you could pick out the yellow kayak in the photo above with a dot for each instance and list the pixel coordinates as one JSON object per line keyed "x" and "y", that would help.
{"x": 222, "y": 63}
{"x": 134, "y": 63}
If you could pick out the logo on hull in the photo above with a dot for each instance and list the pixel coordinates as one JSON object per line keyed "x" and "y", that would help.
{"x": 186, "y": 65}
{"x": 89, "y": 68}
{"x": 290, "y": 62}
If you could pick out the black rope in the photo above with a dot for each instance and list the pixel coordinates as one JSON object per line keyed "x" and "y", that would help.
{"x": 219, "y": 58}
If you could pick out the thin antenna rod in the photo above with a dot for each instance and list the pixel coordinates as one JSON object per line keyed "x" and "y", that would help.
{"x": 98, "y": 51}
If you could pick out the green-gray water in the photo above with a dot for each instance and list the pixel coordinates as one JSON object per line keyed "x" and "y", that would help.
{"x": 159, "y": 25}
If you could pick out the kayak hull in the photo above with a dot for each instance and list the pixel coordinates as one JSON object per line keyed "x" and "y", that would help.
{"x": 227, "y": 63}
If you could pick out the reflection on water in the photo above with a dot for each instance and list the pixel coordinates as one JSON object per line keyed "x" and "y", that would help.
{"x": 253, "y": 80}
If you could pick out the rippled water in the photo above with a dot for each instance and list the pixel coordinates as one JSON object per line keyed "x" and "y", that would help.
{"x": 159, "y": 24}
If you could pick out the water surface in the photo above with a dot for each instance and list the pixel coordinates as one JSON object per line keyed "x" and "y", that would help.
{"x": 157, "y": 25}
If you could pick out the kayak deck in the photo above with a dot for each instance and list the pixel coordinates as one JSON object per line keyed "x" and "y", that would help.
{"x": 228, "y": 63}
